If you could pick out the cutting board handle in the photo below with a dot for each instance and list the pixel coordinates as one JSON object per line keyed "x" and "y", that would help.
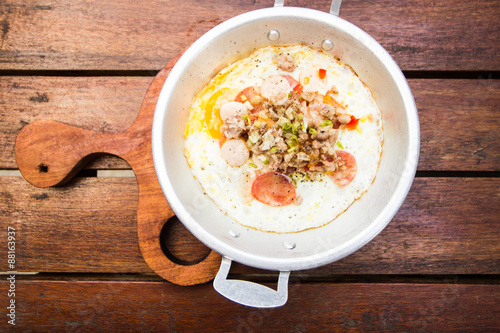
{"x": 50, "y": 153}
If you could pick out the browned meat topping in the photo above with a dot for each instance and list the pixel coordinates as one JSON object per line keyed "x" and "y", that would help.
{"x": 296, "y": 136}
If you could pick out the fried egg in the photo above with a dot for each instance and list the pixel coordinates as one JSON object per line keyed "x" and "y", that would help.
{"x": 321, "y": 199}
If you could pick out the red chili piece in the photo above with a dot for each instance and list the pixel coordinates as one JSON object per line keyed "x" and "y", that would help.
{"x": 322, "y": 73}
{"x": 353, "y": 123}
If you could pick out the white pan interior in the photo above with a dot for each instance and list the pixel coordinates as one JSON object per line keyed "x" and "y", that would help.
{"x": 238, "y": 38}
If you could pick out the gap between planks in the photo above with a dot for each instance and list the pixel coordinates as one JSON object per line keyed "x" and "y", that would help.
{"x": 83, "y": 173}
{"x": 297, "y": 277}
{"x": 409, "y": 74}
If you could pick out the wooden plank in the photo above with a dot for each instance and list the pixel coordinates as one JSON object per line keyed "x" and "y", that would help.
{"x": 433, "y": 35}
{"x": 445, "y": 226}
{"x": 157, "y": 306}
{"x": 89, "y": 225}
{"x": 109, "y": 104}
{"x": 458, "y": 117}
{"x": 144, "y": 34}
{"x": 458, "y": 121}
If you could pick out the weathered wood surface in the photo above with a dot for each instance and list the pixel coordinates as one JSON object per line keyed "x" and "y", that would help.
{"x": 145, "y": 34}
{"x": 312, "y": 307}
{"x": 457, "y": 123}
{"x": 107, "y": 104}
{"x": 445, "y": 226}
{"x": 458, "y": 117}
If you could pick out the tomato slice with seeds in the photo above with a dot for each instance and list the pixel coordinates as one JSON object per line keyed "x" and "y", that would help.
{"x": 274, "y": 189}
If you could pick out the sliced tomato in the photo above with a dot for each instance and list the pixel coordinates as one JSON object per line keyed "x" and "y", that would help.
{"x": 251, "y": 95}
{"x": 344, "y": 177}
{"x": 274, "y": 189}
{"x": 253, "y": 118}
{"x": 296, "y": 86}
{"x": 248, "y": 94}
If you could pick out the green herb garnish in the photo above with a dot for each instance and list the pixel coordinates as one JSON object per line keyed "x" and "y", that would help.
{"x": 326, "y": 122}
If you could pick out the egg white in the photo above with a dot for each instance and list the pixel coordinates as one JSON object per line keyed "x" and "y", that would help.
{"x": 230, "y": 187}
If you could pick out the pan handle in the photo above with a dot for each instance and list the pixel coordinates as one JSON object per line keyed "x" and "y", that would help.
{"x": 334, "y": 8}
{"x": 250, "y": 293}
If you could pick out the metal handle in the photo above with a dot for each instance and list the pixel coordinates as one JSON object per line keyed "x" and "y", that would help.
{"x": 334, "y": 8}
{"x": 250, "y": 293}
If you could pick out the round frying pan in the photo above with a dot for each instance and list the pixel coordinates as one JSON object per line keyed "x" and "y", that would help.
{"x": 238, "y": 38}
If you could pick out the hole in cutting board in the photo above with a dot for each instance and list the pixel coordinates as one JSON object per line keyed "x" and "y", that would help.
{"x": 179, "y": 245}
{"x": 42, "y": 168}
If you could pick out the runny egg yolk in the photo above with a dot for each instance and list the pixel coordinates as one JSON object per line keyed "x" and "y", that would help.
{"x": 212, "y": 113}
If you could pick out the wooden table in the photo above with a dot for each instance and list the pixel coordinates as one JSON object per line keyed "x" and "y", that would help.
{"x": 79, "y": 268}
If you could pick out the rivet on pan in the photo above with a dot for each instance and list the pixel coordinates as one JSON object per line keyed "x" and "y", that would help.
{"x": 289, "y": 245}
{"x": 234, "y": 234}
{"x": 327, "y": 45}
{"x": 273, "y": 35}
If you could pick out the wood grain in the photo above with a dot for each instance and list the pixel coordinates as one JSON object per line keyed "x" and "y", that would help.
{"x": 155, "y": 306}
{"x": 110, "y": 104}
{"x": 457, "y": 122}
{"x": 50, "y": 153}
{"x": 144, "y": 34}
{"x": 105, "y": 104}
{"x": 445, "y": 226}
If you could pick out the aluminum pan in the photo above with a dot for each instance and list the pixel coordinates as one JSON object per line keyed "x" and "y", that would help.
{"x": 237, "y": 38}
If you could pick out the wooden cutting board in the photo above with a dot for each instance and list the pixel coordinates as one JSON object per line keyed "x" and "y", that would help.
{"x": 50, "y": 153}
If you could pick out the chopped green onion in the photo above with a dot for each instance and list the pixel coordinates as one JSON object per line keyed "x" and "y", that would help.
{"x": 312, "y": 131}
{"x": 266, "y": 162}
{"x": 253, "y": 165}
{"x": 340, "y": 145}
{"x": 286, "y": 127}
{"x": 326, "y": 122}
{"x": 274, "y": 149}
{"x": 294, "y": 148}
{"x": 295, "y": 127}
{"x": 294, "y": 140}
{"x": 247, "y": 118}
